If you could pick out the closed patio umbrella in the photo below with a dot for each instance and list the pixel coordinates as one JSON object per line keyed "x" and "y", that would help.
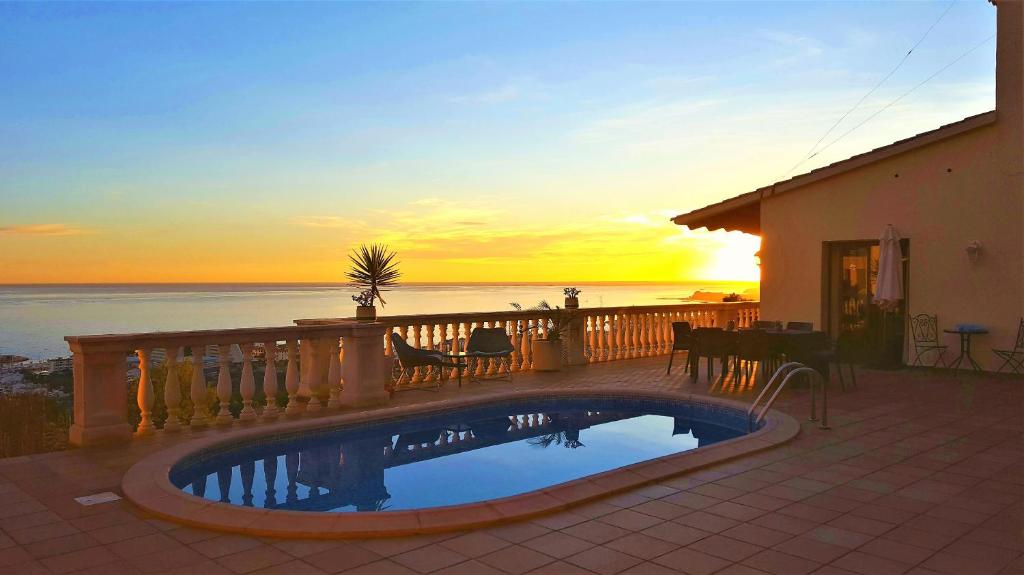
{"x": 889, "y": 284}
{"x": 889, "y": 291}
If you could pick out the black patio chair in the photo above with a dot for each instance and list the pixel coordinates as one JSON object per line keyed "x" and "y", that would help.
{"x": 1014, "y": 358}
{"x": 752, "y": 346}
{"x": 838, "y": 355}
{"x": 682, "y": 340}
{"x": 491, "y": 343}
{"x": 711, "y": 343}
{"x": 925, "y": 330}
{"x": 410, "y": 358}
{"x": 799, "y": 326}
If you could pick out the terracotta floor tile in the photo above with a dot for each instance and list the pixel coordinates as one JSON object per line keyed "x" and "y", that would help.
{"x": 772, "y": 561}
{"x": 254, "y": 559}
{"x": 642, "y": 546}
{"x": 706, "y": 521}
{"x": 122, "y": 531}
{"x": 630, "y": 520}
{"x": 675, "y": 533}
{"x": 517, "y": 532}
{"x": 516, "y": 559}
{"x": 757, "y": 535}
{"x": 861, "y": 524}
{"x": 474, "y": 544}
{"x": 61, "y": 545}
{"x": 471, "y": 567}
{"x": 343, "y": 557}
{"x": 596, "y": 531}
{"x": 560, "y": 568}
{"x": 692, "y": 562}
{"x": 812, "y": 549}
{"x": 691, "y": 500}
{"x": 916, "y": 537}
{"x": 13, "y": 556}
{"x": 558, "y": 544}
{"x": 661, "y": 509}
{"x": 726, "y": 547}
{"x": 809, "y": 512}
{"x": 41, "y": 532}
{"x": 838, "y": 536}
{"x": 225, "y": 545}
{"x": 78, "y": 560}
{"x": 735, "y": 511}
{"x": 901, "y": 552}
{"x": 648, "y": 568}
{"x": 560, "y": 520}
{"x": 603, "y": 560}
{"x": 184, "y": 559}
{"x": 866, "y": 564}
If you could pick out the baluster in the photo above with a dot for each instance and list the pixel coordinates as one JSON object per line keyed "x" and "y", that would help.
{"x": 172, "y": 390}
{"x": 480, "y": 364}
{"x": 197, "y": 391}
{"x": 199, "y": 486}
{"x": 247, "y": 470}
{"x": 512, "y": 328}
{"x": 627, "y": 338}
{"x": 291, "y": 466}
{"x": 270, "y": 477}
{"x": 492, "y": 363}
{"x": 224, "y": 390}
{"x": 334, "y": 375}
{"x": 270, "y": 412}
{"x": 592, "y": 322}
{"x": 655, "y": 334}
{"x": 602, "y": 337}
{"x": 645, "y": 334}
{"x": 291, "y": 381}
{"x": 247, "y": 386}
{"x": 417, "y": 332}
{"x": 224, "y": 477}
{"x": 145, "y": 396}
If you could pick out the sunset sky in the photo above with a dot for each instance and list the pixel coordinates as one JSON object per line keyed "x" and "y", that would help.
{"x": 484, "y": 141}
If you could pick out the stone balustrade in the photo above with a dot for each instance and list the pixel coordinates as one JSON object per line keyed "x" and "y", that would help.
{"x": 102, "y": 377}
{"x": 595, "y": 334}
{"x": 325, "y": 364}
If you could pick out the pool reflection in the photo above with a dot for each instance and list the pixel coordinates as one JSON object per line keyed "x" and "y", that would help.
{"x": 441, "y": 463}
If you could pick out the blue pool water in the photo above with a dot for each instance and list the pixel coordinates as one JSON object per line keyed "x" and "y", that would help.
{"x": 456, "y": 457}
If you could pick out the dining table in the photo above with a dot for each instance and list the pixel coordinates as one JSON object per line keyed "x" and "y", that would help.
{"x": 965, "y": 332}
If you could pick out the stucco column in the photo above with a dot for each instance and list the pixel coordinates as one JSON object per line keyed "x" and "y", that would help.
{"x": 574, "y": 342}
{"x": 314, "y": 360}
{"x": 101, "y": 397}
{"x": 364, "y": 371}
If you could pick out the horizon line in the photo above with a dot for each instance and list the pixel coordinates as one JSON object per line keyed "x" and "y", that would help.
{"x": 346, "y": 284}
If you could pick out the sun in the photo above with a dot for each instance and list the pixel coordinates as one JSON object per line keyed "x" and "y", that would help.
{"x": 734, "y": 258}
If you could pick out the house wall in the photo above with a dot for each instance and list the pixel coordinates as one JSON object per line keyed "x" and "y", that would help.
{"x": 939, "y": 211}
{"x": 964, "y": 188}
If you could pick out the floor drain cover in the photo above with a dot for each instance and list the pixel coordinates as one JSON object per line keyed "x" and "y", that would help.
{"x": 97, "y": 498}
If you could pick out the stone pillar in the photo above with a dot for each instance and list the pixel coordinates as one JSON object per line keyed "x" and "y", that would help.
{"x": 101, "y": 397}
{"x": 575, "y": 339}
{"x": 315, "y": 361}
{"x": 366, "y": 370}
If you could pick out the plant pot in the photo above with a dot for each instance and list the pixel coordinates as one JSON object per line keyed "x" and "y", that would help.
{"x": 572, "y": 303}
{"x": 366, "y": 312}
{"x": 547, "y": 355}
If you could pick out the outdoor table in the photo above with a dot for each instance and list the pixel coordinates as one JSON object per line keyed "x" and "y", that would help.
{"x": 965, "y": 332}
{"x": 460, "y": 361}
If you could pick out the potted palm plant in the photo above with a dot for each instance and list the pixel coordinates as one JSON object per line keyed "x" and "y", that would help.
{"x": 373, "y": 268}
{"x": 572, "y": 298}
{"x": 547, "y": 350}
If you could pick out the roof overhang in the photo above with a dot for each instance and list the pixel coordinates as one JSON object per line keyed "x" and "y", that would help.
{"x": 739, "y": 214}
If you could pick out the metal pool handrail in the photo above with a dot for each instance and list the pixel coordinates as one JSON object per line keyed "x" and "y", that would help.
{"x": 786, "y": 371}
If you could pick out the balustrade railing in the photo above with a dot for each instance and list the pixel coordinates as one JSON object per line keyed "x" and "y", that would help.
{"x": 263, "y": 374}
{"x": 175, "y": 393}
{"x": 595, "y": 335}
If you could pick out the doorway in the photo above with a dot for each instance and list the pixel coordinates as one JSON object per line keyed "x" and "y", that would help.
{"x": 849, "y": 278}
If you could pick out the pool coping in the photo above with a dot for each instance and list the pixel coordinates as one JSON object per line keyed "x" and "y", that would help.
{"x": 147, "y": 483}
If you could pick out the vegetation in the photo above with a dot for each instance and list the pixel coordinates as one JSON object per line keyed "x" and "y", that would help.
{"x": 733, "y": 297}
{"x": 572, "y": 292}
{"x": 373, "y": 268}
{"x": 36, "y": 422}
{"x": 558, "y": 323}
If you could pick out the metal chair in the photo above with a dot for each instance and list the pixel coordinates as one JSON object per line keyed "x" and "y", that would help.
{"x": 925, "y": 329}
{"x": 682, "y": 340}
{"x": 800, "y": 326}
{"x": 491, "y": 343}
{"x": 712, "y": 342}
{"x": 410, "y": 358}
{"x": 752, "y": 346}
{"x": 838, "y": 355}
{"x": 1013, "y": 357}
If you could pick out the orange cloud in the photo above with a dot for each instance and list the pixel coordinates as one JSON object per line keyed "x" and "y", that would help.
{"x": 41, "y": 230}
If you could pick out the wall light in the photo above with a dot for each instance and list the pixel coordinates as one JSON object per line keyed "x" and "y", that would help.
{"x": 973, "y": 251}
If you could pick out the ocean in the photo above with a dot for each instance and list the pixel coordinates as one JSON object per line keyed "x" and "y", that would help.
{"x": 35, "y": 318}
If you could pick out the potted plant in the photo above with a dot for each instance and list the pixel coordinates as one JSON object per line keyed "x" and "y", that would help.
{"x": 373, "y": 268}
{"x": 572, "y": 298}
{"x": 547, "y": 350}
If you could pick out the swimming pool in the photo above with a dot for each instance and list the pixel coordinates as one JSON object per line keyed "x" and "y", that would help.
{"x": 455, "y": 457}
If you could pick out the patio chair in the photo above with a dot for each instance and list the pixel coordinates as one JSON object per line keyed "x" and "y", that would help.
{"x": 838, "y": 355}
{"x": 682, "y": 340}
{"x": 1014, "y": 358}
{"x": 799, "y": 326}
{"x": 925, "y": 329}
{"x": 712, "y": 342}
{"x": 410, "y": 358}
{"x": 752, "y": 346}
{"x": 491, "y": 343}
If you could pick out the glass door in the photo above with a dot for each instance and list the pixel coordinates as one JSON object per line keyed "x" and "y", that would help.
{"x": 851, "y": 275}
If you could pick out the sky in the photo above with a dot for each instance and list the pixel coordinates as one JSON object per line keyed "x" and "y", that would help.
{"x": 542, "y": 141}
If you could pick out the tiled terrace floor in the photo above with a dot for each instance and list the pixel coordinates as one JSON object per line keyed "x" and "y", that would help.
{"x": 920, "y": 474}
